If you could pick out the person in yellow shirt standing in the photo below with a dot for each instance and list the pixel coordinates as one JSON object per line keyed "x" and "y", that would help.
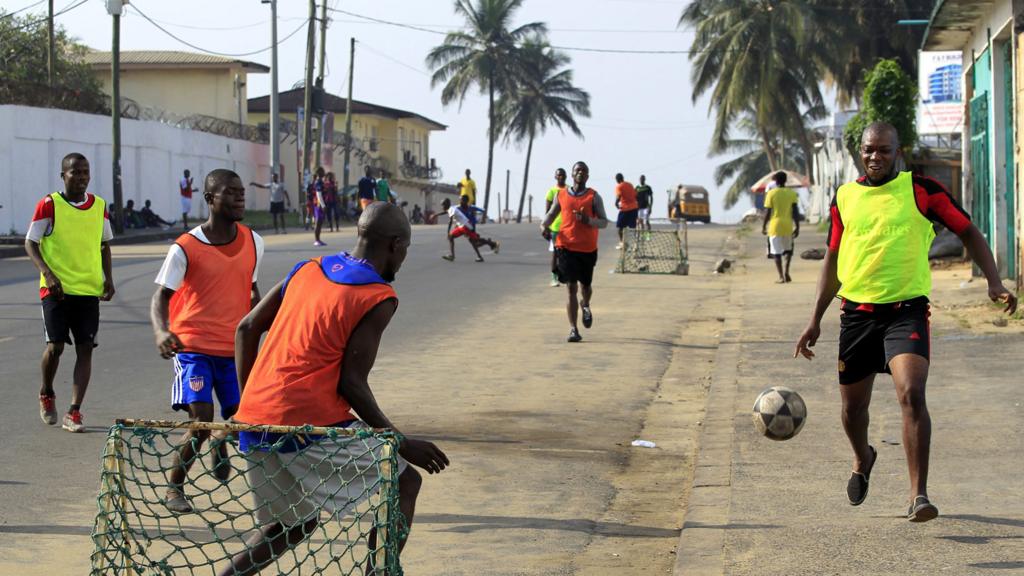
{"x": 468, "y": 188}
{"x": 781, "y": 224}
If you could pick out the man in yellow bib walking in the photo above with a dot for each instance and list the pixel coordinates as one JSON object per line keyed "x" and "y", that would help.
{"x": 68, "y": 242}
{"x": 877, "y": 262}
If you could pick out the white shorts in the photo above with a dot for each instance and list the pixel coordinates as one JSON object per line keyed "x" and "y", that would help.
{"x": 644, "y": 213}
{"x": 780, "y": 245}
{"x": 291, "y": 487}
{"x": 186, "y": 204}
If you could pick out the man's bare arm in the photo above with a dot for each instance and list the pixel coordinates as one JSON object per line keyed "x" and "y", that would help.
{"x": 360, "y": 354}
{"x": 980, "y": 252}
{"x": 52, "y": 282}
{"x": 108, "y": 272}
{"x": 601, "y": 219}
{"x": 251, "y": 329}
{"x": 167, "y": 342}
{"x": 549, "y": 218}
{"x": 828, "y": 287}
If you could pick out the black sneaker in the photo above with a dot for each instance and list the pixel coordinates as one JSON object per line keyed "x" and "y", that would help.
{"x": 921, "y": 510}
{"x": 857, "y": 487}
{"x": 588, "y": 318}
{"x": 574, "y": 335}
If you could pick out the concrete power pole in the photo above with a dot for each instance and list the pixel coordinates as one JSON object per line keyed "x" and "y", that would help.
{"x": 50, "y": 54}
{"x": 508, "y": 178}
{"x": 348, "y": 112}
{"x": 114, "y": 7}
{"x": 320, "y": 75}
{"x": 307, "y": 125}
{"x": 275, "y": 107}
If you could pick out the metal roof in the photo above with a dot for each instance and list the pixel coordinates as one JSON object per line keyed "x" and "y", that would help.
{"x": 291, "y": 100}
{"x": 171, "y": 59}
{"x": 953, "y": 22}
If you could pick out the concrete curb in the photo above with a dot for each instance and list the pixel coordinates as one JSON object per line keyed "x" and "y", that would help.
{"x": 701, "y": 550}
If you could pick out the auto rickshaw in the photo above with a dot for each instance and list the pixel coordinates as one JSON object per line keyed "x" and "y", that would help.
{"x": 690, "y": 203}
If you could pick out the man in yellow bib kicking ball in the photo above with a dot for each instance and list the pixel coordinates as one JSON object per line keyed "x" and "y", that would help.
{"x": 877, "y": 262}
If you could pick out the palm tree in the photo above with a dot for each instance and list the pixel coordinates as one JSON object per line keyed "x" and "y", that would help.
{"x": 754, "y": 161}
{"x": 486, "y": 56}
{"x": 545, "y": 97}
{"x": 849, "y": 38}
{"x": 753, "y": 56}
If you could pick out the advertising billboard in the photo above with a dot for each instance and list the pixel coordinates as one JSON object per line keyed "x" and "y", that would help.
{"x": 940, "y": 107}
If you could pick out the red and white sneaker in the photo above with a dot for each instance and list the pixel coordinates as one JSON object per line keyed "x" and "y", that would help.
{"x": 73, "y": 422}
{"x": 48, "y": 409}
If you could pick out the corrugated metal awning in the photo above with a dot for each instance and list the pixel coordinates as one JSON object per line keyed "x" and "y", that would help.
{"x": 953, "y": 22}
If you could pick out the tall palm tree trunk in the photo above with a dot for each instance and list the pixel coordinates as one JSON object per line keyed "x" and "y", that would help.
{"x": 526, "y": 178}
{"x": 490, "y": 141}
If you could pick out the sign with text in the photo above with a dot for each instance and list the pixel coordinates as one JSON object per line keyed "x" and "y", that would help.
{"x": 940, "y": 108}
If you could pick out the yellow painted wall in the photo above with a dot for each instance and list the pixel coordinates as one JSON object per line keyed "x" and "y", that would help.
{"x": 182, "y": 91}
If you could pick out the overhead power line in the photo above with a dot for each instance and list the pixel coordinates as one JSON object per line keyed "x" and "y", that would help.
{"x": 214, "y": 52}
{"x": 64, "y": 10}
{"x": 10, "y": 14}
{"x": 566, "y": 48}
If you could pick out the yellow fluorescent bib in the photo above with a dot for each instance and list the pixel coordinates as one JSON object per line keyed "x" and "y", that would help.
{"x": 883, "y": 255}
{"x": 72, "y": 250}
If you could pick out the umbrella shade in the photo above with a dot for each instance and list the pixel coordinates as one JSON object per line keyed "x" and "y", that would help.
{"x": 793, "y": 180}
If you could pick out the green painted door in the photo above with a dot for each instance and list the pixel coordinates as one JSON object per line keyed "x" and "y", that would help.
{"x": 1011, "y": 244}
{"x": 981, "y": 169}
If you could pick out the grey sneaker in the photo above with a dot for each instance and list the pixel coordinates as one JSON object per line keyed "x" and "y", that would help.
{"x": 48, "y": 410}
{"x": 176, "y": 502}
{"x": 574, "y": 335}
{"x": 921, "y": 510}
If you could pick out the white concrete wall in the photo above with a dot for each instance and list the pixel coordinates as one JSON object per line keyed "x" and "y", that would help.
{"x": 153, "y": 155}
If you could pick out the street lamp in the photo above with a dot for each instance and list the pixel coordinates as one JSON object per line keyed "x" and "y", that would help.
{"x": 275, "y": 138}
{"x": 115, "y": 8}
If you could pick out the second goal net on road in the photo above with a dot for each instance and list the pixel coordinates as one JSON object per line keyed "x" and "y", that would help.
{"x": 357, "y": 470}
{"x": 662, "y": 250}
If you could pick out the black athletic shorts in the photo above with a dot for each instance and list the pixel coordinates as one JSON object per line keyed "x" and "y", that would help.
{"x": 871, "y": 335}
{"x": 627, "y": 219}
{"x": 575, "y": 266}
{"x": 277, "y": 207}
{"x": 77, "y": 316}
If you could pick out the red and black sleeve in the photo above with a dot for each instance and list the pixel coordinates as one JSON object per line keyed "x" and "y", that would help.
{"x": 935, "y": 202}
{"x": 835, "y": 229}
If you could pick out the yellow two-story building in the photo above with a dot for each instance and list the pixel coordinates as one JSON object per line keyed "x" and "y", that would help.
{"x": 394, "y": 143}
{"x": 180, "y": 83}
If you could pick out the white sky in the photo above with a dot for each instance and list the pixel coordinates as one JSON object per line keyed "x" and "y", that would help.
{"x": 643, "y": 119}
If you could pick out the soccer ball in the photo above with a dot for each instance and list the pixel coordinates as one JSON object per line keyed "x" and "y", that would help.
{"x": 779, "y": 413}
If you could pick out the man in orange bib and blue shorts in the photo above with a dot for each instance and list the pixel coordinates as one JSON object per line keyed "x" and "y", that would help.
{"x": 207, "y": 285}
{"x": 300, "y": 377}
{"x": 583, "y": 215}
{"x": 877, "y": 262}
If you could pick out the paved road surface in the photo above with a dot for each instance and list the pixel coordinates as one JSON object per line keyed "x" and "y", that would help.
{"x": 543, "y": 479}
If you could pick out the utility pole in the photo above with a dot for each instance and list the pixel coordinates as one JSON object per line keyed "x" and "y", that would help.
{"x": 115, "y": 7}
{"x": 275, "y": 109}
{"x": 320, "y": 75}
{"x": 508, "y": 176}
{"x": 307, "y": 125}
{"x": 348, "y": 111}
{"x": 50, "y": 55}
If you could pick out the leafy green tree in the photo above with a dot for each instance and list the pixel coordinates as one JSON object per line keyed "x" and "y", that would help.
{"x": 752, "y": 57}
{"x": 23, "y": 45}
{"x": 545, "y": 96}
{"x": 850, "y": 37}
{"x": 485, "y": 56}
{"x": 890, "y": 95}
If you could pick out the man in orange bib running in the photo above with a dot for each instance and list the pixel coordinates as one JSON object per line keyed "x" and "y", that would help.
{"x": 583, "y": 216}
{"x": 301, "y": 377}
{"x": 877, "y": 262}
{"x": 207, "y": 284}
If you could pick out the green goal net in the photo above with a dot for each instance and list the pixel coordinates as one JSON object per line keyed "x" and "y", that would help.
{"x": 661, "y": 250}
{"x": 336, "y": 487}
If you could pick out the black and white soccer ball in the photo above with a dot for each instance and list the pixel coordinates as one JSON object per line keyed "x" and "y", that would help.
{"x": 779, "y": 413}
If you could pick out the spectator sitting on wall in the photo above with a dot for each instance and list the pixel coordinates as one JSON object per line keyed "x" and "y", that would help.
{"x": 151, "y": 219}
